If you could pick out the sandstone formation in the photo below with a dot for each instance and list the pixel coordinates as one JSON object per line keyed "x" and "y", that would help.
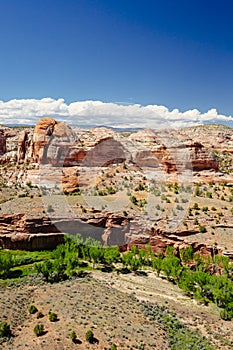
{"x": 107, "y": 151}
{"x": 54, "y": 154}
{"x": 31, "y": 241}
{"x": 159, "y": 241}
{"x": 19, "y": 232}
{"x": 41, "y": 137}
{"x": 211, "y": 136}
{"x": 24, "y": 146}
{"x": 58, "y": 145}
{"x": 172, "y": 151}
{"x": 51, "y": 142}
{"x": 2, "y": 143}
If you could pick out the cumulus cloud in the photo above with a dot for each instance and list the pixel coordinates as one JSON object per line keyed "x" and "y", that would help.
{"x": 89, "y": 113}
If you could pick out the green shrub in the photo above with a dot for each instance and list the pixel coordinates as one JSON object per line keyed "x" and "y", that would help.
{"x": 89, "y": 336}
{"x": 73, "y": 336}
{"x": 39, "y": 329}
{"x": 133, "y": 200}
{"x": 113, "y": 347}
{"x": 195, "y": 221}
{"x": 32, "y": 309}
{"x": 225, "y": 315}
{"x": 205, "y": 209}
{"x": 163, "y": 197}
{"x": 5, "y": 330}
{"x": 196, "y": 206}
{"x": 198, "y": 191}
{"x": 6, "y": 263}
{"x": 202, "y": 229}
{"x": 53, "y": 317}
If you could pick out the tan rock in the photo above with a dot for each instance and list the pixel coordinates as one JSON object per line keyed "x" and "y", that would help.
{"x": 70, "y": 179}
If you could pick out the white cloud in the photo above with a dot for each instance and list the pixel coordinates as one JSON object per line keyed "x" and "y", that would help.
{"x": 27, "y": 111}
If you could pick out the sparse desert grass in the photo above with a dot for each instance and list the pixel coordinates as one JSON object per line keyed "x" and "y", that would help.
{"x": 109, "y": 305}
{"x": 82, "y": 305}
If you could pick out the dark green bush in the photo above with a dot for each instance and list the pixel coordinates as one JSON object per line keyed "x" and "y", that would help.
{"x": 202, "y": 229}
{"x": 32, "y": 309}
{"x": 5, "y": 330}
{"x": 39, "y": 329}
{"x": 89, "y": 336}
{"x": 73, "y": 336}
{"x": 225, "y": 315}
{"x": 133, "y": 199}
{"x": 53, "y": 317}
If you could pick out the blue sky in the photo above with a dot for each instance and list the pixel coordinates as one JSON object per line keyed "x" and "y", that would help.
{"x": 173, "y": 53}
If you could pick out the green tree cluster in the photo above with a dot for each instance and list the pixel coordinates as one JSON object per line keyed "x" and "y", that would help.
{"x": 67, "y": 257}
{"x": 6, "y": 263}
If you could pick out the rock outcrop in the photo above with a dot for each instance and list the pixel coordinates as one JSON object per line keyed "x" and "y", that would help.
{"x": 171, "y": 152}
{"x": 19, "y": 232}
{"x": 2, "y": 143}
{"x": 56, "y": 154}
{"x": 41, "y": 137}
{"x": 51, "y": 142}
{"x": 59, "y": 146}
{"x": 24, "y": 150}
{"x": 106, "y": 152}
{"x": 201, "y": 159}
{"x": 31, "y": 241}
{"x": 159, "y": 241}
{"x": 213, "y": 136}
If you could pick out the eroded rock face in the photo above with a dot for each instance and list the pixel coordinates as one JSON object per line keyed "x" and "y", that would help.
{"x": 24, "y": 150}
{"x": 58, "y": 145}
{"x": 56, "y": 152}
{"x": 20, "y": 232}
{"x": 2, "y": 142}
{"x": 159, "y": 241}
{"x": 106, "y": 152}
{"x": 171, "y": 152}
{"x": 52, "y": 141}
{"x": 201, "y": 159}
{"x": 31, "y": 241}
{"x": 41, "y": 137}
{"x": 70, "y": 179}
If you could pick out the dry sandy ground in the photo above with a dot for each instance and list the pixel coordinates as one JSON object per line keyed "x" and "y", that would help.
{"x": 153, "y": 289}
{"x": 106, "y": 304}
{"x": 80, "y": 304}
